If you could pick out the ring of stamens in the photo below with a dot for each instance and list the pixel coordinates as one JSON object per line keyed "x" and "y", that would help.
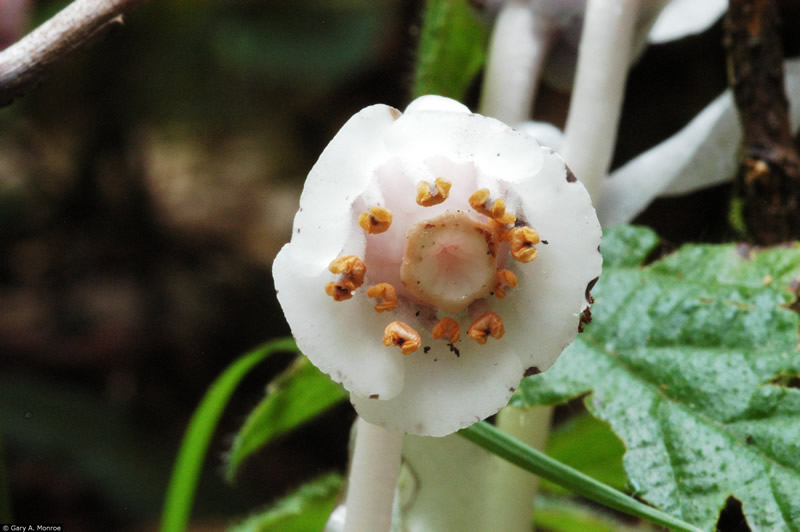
{"x": 521, "y": 243}
{"x": 387, "y": 293}
{"x": 447, "y": 328}
{"x": 402, "y": 335}
{"x": 504, "y": 278}
{"x": 488, "y": 324}
{"x": 427, "y": 196}
{"x": 377, "y": 220}
{"x": 353, "y": 270}
{"x": 479, "y": 200}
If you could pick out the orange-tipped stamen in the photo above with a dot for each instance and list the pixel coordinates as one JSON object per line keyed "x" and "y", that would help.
{"x": 478, "y": 201}
{"x": 489, "y": 324}
{"x": 504, "y": 278}
{"x": 447, "y": 328}
{"x": 377, "y": 220}
{"x": 353, "y": 270}
{"x": 427, "y": 196}
{"x": 521, "y": 243}
{"x": 387, "y": 293}
{"x": 403, "y": 335}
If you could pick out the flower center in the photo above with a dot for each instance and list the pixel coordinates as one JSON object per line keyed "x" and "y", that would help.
{"x": 455, "y": 257}
{"x": 449, "y": 262}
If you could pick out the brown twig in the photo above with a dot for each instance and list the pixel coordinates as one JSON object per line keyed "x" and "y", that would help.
{"x": 24, "y": 63}
{"x": 769, "y": 177}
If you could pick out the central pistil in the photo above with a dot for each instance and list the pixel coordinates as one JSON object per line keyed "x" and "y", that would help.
{"x": 450, "y": 261}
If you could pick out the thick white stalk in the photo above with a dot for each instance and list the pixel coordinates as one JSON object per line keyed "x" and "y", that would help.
{"x": 517, "y": 53}
{"x": 373, "y": 475}
{"x": 513, "y": 489}
{"x": 596, "y": 103}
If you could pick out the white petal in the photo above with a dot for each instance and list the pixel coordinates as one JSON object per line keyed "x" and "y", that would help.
{"x": 323, "y": 223}
{"x": 681, "y": 18}
{"x": 502, "y": 151}
{"x": 545, "y": 133}
{"x": 444, "y": 393}
{"x": 343, "y": 339}
{"x": 432, "y": 102}
{"x": 325, "y": 227}
{"x": 542, "y": 313}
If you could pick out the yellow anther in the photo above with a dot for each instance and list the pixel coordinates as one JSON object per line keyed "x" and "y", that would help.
{"x": 447, "y": 328}
{"x": 487, "y": 325}
{"x": 521, "y": 243}
{"x": 500, "y": 214}
{"x": 478, "y": 201}
{"x": 340, "y": 290}
{"x": 504, "y": 278}
{"x": 403, "y": 335}
{"x": 353, "y": 270}
{"x": 387, "y": 293}
{"x": 427, "y": 197}
{"x": 377, "y": 220}
{"x": 350, "y": 266}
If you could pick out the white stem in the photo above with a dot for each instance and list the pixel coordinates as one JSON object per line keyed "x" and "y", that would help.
{"x": 373, "y": 475}
{"x": 517, "y": 53}
{"x": 594, "y": 111}
{"x": 513, "y": 489}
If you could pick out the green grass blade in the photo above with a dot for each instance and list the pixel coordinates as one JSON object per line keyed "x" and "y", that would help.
{"x": 508, "y": 448}
{"x": 189, "y": 463}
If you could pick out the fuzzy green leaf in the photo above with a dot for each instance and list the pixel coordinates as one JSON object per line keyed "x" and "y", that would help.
{"x": 306, "y": 509}
{"x": 691, "y": 360}
{"x": 452, "y": 49}
{"x": 296, "y": 396}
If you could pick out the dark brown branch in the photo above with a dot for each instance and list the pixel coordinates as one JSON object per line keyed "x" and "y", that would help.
{"x": 769, "y": 178}
{"x": 24, "y": 63}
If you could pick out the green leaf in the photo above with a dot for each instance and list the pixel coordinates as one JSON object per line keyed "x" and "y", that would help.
{"x": 452, "y": 49}
{"x": 567, "y": 444}
{"x": 298, "y": 395}
{"x": 534, "y": 461}
{"x": 627, "y": 246}
{"x": 685, "y": 359}
{"x": 307, "y": 509}
{"x": 192, "y": 453}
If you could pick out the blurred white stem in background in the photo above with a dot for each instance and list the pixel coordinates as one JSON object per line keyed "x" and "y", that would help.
{"x": 517, "y": 53}
{"x": 372, "y": 479}
{"x": 701, "y": 155}
{"x": 514, "y": 489}
{"x": 603, "y": 59}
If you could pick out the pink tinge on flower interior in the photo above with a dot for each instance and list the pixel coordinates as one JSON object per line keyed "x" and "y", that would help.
{"x": 438, "y": 256}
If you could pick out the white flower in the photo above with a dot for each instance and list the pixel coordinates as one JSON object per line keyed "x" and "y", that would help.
{"x": 410, "y": 277}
